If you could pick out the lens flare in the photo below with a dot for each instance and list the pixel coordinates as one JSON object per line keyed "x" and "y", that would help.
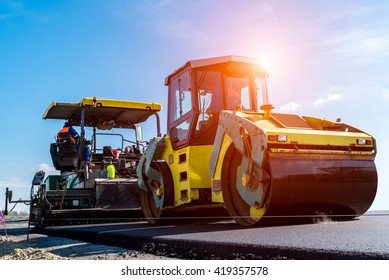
{"x": 265, "y": 61}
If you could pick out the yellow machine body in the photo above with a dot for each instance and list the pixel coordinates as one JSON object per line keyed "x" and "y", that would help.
{"x": 189, "y": 173}
{"x": 223, "y": 147}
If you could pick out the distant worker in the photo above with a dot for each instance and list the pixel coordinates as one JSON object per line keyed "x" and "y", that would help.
{"x": 111, "y": 170}
{"x": 67, "y": 131}
{"x": 136, "y": 150}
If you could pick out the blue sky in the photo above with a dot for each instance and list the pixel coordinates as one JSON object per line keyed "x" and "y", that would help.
{"x": 325, "y": 59}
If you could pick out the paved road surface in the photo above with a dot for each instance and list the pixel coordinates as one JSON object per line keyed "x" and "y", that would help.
{"x": 364, "y": 238}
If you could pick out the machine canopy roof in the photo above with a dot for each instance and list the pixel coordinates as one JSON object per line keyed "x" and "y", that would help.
{"x": 227, "y": 63}
{"x": 103, "y": 113}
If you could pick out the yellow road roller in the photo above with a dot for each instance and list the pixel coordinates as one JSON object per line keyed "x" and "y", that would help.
{"x": 225, "y": 146}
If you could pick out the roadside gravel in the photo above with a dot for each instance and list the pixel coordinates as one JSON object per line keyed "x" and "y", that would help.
{"x": 14, "y": 246}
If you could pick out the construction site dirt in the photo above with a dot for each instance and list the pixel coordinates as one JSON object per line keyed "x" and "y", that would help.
{"x": 16, "y": 243}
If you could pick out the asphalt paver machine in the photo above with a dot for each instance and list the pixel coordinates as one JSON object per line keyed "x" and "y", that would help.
{"x": 82, "y": 192}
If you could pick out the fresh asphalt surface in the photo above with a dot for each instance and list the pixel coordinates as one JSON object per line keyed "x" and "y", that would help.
{"x": 366, "y": 237}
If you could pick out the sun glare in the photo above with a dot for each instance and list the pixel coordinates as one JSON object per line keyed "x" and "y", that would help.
{"x": 265, "y": 61}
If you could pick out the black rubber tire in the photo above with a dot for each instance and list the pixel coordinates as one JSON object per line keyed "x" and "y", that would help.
{"x": 149, "y": 209}
{"x": 235, "y": 205}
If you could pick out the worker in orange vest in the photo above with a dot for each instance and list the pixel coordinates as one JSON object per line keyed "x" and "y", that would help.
{"x": 67, "y": 128}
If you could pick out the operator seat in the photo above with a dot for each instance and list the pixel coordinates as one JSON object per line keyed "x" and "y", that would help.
{"x": 64, "y": 153}
{"x": 65, "y": 143}
{"x": 108, "y": 153}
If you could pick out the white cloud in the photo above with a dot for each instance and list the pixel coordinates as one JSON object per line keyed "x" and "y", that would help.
{"x": 45, "y": 167}
{"x": 385, "y": 93}
{"x": 360, "y": 44}
{"x": 332, "y": 95}
{"x": 267, "y": 9}
{"x": 23, "y": 182}
{"x": 290, "y": 107}
{"x": 14, "y": 182}
{"x": 359, "y": 47}
{"x": 12, "y": 10}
